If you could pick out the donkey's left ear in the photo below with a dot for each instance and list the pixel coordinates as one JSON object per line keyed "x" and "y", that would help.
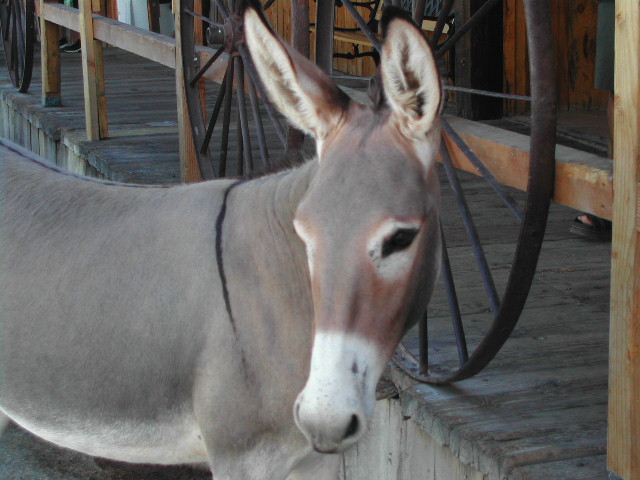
{"x": 409, "y": 74}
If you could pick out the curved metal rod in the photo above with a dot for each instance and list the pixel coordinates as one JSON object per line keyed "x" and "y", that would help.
{"x": 484, "y": 171}
{"x": 539, "y": 191}
{"x": 477, "y": 17}
{"x": 377, "y": 44}
{"x": 467, "y": 218}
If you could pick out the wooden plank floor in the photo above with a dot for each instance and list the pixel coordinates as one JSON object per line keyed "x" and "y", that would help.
{"x": 538, "y": 412}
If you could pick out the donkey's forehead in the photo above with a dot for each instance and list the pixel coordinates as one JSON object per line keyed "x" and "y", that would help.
{"x": 368, "y": 134}
{"x": 372, "y": 175}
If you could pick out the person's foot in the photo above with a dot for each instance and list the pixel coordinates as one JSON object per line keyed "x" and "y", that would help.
{"x": 592, "y": 227}
{"x": 72, "y": 47}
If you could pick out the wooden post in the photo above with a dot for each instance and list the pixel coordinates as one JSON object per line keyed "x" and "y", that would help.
{"x": 153, "y": 10}
{"x": 479, "y": 61}
{"x": 624, "y": 345}
{"x": 189, "y": 169}
{"x": 50, "y": 62}
{"x": 95, "y": 99}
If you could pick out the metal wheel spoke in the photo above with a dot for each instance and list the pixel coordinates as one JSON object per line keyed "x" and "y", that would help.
{"x": 214, "y": 116}
{"x": 484, "y": 171}
{"x": 268, "y": 4}
{"x": 19, "y": 33}
{"x": 240, "y": 147}
{"x": 251, "y": 70}
{"x": 445, "y": 11}
{"x": 222, "y": 8}
{"x": 226, "y": 119}
{"x": 454, "y": 306}
{"x": 203, "y": 18}
{"x": 206, "y": 67}
{"x": 478, "y": 251}
{"x": 468, "y": 25}
{"x": 244, "y": 122}
{"x": 377, "y": 44}
{"x": 255, "y": 107}
{"x": 418, "y": 11}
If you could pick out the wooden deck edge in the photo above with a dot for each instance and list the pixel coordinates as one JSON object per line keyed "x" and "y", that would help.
{"x": 50, "y": 133}
{"x": 480, "y": 452}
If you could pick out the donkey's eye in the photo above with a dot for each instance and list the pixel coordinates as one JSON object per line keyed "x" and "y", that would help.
{"x": 399, "y": 241}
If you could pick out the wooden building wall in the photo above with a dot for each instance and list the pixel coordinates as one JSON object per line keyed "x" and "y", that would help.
{"x": 280, "y": 17}
{"x": 574, "y": 30}
{"x": 574, "y": 26}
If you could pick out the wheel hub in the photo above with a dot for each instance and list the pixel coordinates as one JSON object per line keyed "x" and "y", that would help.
{"x": 233, "y": 34}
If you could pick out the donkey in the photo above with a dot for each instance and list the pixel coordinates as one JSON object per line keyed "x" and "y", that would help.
{"x": 243, "y": 325}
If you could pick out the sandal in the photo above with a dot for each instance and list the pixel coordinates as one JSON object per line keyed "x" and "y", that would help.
{"x": 599, "y": 229}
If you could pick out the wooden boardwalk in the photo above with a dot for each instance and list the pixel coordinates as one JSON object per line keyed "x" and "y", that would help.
{"x": 538, "y": 412}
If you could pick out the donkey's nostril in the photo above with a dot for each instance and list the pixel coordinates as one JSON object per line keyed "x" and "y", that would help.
{"x": 353, "y": 427}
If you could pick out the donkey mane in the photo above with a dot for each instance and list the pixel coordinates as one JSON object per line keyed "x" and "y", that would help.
{"x": 285, "y": 161}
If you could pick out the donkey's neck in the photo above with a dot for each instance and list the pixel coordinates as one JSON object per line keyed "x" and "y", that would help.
{"x": 267, "y": 279}
{"x": 274, "y": 200}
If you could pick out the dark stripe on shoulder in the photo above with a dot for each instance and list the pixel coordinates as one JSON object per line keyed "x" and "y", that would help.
{"x": 219, "y": 252}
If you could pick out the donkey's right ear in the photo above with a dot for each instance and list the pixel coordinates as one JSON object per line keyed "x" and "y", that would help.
{"x": 304, "y": 94}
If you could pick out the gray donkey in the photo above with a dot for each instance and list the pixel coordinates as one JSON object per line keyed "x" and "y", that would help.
{"x": 240, "y": 324}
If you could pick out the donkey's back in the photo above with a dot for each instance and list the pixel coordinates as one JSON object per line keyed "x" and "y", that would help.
{"x": 105, "y": 287}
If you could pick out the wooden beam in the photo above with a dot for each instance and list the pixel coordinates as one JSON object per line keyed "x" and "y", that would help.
{"x": 624, "y": 344}
{"x": 189, "y": 169}
{"x": 582, "y": 180}
{"x": 50, "y": 62}
{"x": 95, "y": 100}
{"x": 154, "y": 46}
{"x": 479, "y": 61}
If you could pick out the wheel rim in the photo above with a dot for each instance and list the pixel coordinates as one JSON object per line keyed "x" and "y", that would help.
{"x": 224, "y": 60}
{"x": 17, "y": 24}
{"x": 506, "y": 309}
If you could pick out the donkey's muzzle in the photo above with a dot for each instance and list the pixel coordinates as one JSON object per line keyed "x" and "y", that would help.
{"x": 330, "y": 424}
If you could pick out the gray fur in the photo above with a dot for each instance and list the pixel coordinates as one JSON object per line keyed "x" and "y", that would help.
{"x": 115, "y": 335}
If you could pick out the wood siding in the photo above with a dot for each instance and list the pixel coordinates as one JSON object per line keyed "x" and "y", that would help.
{"x": 574, "y": 30}
{"x": 574, "y": 26}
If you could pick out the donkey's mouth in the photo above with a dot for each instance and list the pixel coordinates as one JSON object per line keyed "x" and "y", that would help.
{"x": 327, "y": 452}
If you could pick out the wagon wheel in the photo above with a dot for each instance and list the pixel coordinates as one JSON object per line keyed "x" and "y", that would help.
{"x": 432, "y": 365}
{"x": 213, "y": 51}
{"x": 17, "y": 22}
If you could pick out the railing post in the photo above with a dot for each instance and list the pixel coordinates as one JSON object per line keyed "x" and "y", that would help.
{"x": 50, "y": 61}
{"x": 189, "y": 169}
{"x": 95, "y": 99}
{"x": 624, "y": 344}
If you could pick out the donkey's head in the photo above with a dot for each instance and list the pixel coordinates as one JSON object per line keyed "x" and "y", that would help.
{"x": 369, "y": 219}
